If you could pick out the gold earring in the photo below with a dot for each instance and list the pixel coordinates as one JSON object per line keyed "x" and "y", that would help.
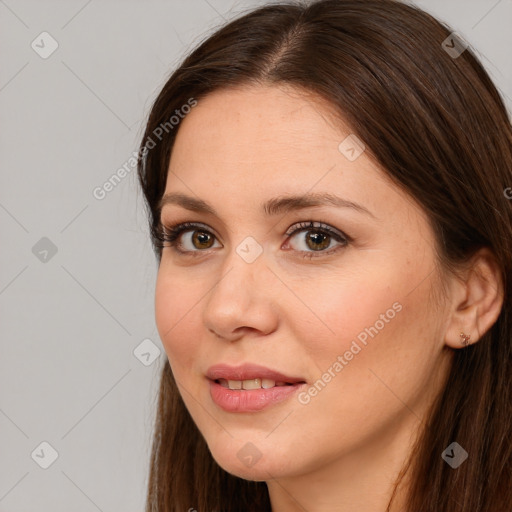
{"x": 465, "y": 338}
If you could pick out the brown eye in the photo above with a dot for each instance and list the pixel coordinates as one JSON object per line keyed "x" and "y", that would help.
{"x": 178, "y": 238}
{"x": 204, "y": 239}
{"x": 316, "y": 240}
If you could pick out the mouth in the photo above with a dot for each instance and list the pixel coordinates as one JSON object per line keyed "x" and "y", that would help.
{"x": 249, "y": 384}
{"x": 250, "y": 388}
{"x": 250, "y": 374}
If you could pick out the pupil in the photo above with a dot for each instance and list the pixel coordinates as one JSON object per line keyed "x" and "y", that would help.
{"x": 201, "y": 237}
{"x": 317, "y": 239}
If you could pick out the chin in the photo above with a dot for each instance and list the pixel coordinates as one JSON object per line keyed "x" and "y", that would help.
{"x": 250, "y": 464}
{"x": 257, "y": 473}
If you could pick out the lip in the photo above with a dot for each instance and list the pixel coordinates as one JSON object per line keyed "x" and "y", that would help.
{"x": 248, "y": 371}
{"x": 250, "y": 400}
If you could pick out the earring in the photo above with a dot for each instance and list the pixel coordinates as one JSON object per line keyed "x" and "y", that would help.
{"x": 465, "y": 338}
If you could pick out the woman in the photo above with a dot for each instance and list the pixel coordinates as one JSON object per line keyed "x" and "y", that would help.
{"x": 325, "y": 188}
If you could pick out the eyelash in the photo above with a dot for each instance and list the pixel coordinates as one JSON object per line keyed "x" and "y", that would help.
{"x": 172, "y": 233}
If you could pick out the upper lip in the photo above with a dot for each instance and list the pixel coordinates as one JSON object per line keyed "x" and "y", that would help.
{"x": 248, "y": 371}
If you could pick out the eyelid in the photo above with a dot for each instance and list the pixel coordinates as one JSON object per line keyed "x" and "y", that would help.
{"x": 171, "y": 233}
{"x": 319, "y": 225}
{"x": 339, "y": 236}
{"x": 297, "y": 226}
{"x": 176, "y": 230}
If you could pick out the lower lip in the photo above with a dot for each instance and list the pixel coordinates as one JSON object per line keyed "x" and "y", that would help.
{"x": 250, "y": 400}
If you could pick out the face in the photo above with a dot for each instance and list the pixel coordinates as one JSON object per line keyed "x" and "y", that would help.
{"x": 333, "y": 299}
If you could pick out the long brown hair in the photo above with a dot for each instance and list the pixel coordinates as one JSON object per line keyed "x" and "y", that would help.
{"x": 437, "y": 124}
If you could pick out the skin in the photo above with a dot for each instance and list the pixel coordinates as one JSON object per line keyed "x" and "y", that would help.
{"x": 342, "y": 450}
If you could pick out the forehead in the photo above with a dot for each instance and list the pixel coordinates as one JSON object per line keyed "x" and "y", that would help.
{"x": 276, "y": 118}
{"x": 264, "y": 132}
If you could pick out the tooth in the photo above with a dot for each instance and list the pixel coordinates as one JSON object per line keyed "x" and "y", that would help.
{"x": 223, "y": 383}
{"x": 252, "y": 384}
{"x": 235, "y": 384}
{"x": 267, "y": 383}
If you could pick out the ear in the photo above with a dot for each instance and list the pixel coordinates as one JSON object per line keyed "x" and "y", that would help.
{"x": 476, "y": 299}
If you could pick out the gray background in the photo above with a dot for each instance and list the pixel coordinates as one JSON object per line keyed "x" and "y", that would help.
{"x": 71, "y": 320}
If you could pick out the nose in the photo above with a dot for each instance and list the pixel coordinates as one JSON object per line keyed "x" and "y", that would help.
{"x": 243, "y": 299}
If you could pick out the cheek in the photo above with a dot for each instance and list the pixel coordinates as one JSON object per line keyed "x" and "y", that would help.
{"x": 376, "y": 324}
{"x": 349, "y": 308}
{"x": 384, "y": 334}
{"x": 175, "y": 321}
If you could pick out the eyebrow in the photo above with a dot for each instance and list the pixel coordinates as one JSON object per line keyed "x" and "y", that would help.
{"x": 274, "y": 206}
